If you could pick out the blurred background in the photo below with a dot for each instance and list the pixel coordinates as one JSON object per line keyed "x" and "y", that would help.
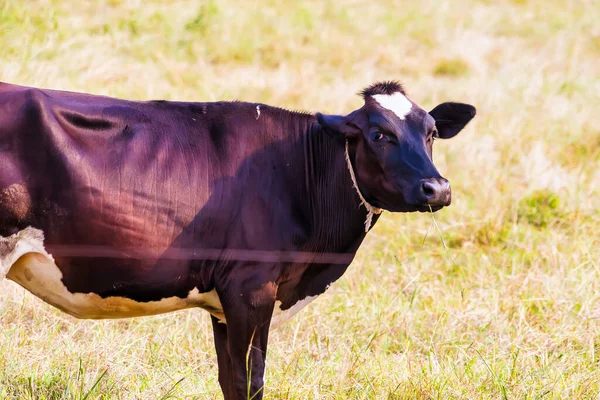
{"x": 496, "y": 298}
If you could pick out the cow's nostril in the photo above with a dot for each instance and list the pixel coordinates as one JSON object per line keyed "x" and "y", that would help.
{"x": 428, "y": 189}
{"x": 435, "y": 192}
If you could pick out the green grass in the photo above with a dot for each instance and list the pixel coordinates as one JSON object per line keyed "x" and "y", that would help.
{"x": 510, "y": 309}
{"x": 451, "y": 67}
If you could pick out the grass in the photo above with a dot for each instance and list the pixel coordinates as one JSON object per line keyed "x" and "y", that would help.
{"x": 453, "y": 68}
{"x": 510, "y": 309}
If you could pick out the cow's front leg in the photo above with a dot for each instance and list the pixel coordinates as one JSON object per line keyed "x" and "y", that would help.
{"x": 223, "y": 359}
{"x": 248, "y": 314}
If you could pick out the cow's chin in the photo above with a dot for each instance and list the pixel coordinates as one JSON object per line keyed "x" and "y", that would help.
{"x": 428, "y": 208}
{"x": 419, "y": 208}
{"x": 403, "y": 207}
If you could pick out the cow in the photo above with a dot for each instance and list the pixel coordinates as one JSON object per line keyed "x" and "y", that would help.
{"x": 114, "y": 209}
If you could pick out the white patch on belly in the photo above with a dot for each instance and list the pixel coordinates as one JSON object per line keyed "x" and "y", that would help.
{"x": 280, "y": 316}
{"x": 257, "y": 112}
{"x": 397, "y": 103}
{"x": 23, "y": 259}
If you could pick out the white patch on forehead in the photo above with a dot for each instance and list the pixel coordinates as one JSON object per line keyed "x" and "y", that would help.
{"x": 23, "y": 259}
{"x": 280, "y": 316}
{"x": 397, "y": 103}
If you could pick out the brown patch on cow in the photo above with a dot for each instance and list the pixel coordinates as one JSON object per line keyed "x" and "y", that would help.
{"x": 264, "y": 295}
{"x": 16, "y": 200}
{"x": 28, "y": 274}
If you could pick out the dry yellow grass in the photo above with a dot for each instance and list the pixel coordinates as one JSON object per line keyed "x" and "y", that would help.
{"x": 510, "y": 310}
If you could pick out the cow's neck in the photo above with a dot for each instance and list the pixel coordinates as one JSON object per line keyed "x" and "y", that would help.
{"x": 335, "y": 205}
{"x": 371, "y": 210}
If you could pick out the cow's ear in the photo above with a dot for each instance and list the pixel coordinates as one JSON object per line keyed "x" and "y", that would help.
{"x": 337, "y": 124}
{"x": 451, "y": 118}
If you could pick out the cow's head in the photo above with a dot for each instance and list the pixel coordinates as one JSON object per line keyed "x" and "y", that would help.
{"x": 390, "y": 144}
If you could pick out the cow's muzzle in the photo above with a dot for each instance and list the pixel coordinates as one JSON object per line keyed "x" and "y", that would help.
{"x": 435, "y": 192}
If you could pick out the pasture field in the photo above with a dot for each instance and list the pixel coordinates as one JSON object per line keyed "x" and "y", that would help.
{"x": 507, "y": 306}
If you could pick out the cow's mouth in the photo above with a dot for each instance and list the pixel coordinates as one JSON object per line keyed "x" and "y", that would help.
{"x": 428, "y": 208}
{"x": 405, "y": 207}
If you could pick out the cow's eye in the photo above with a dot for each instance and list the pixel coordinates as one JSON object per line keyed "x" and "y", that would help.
{"x": 378, "y": 136}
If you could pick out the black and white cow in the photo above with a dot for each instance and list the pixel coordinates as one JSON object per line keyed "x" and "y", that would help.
{"x": 114, "y": 209}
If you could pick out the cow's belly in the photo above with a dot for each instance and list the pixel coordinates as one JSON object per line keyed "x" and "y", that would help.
{"x": 24, "y": 260}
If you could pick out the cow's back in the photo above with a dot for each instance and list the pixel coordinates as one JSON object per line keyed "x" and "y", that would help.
{"x": 115, "y": 163}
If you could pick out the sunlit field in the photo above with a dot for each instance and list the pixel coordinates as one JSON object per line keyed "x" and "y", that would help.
{"x": 500, "y": 300}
